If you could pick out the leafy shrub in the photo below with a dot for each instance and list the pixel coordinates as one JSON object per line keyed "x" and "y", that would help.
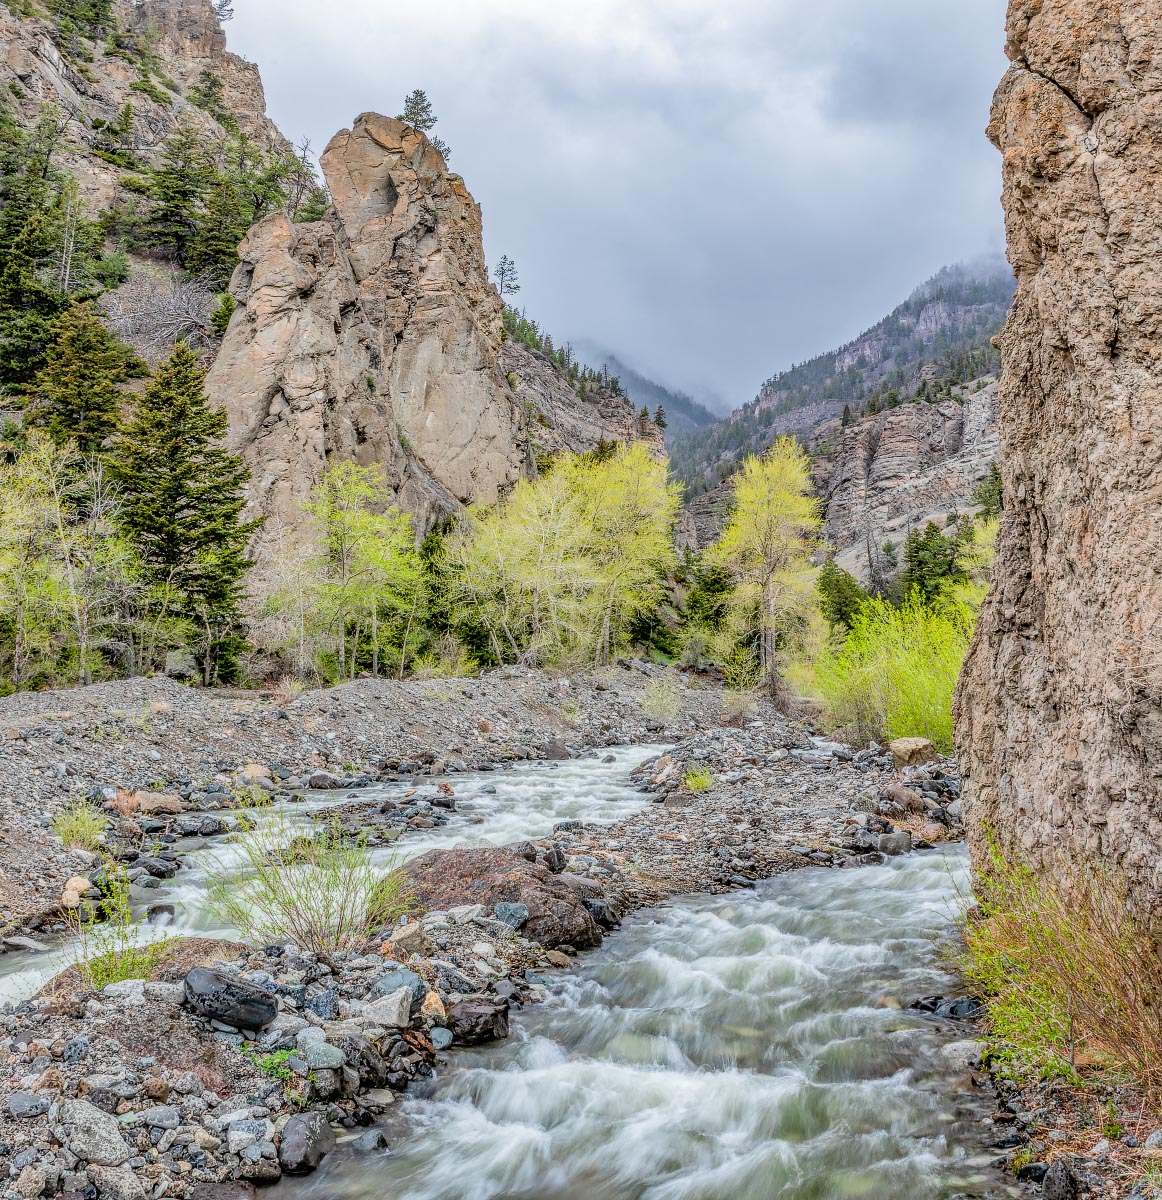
{"x": 661, "y": 700}
{"x": 698, "y": 779}
{"x": 110, "y": 948}
{"x": 80, "y": 826}
{"x": 1067, "y": 969}
{"x": 326, "y": 897}
{"x": 894, "y": 674}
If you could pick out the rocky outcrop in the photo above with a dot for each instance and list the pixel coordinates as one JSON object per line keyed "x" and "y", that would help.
{"x": 184, "y": 40}
{"x": 374, "y": 336}
{"x": 1059, "y": 710}
{"x": 891, "y": 472}
{"x": 556, "y": 912}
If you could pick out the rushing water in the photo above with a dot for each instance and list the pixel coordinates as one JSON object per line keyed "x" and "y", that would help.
{"x": 496, "y": 807}
{"x": 729, "y": 1048}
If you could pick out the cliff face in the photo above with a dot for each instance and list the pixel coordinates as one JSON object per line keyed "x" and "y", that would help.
{"x": 1059, "y": 710}
{"x": 374, "y": 336}
{"x": 888, "y": 473}
{"x": 184, "y": 38}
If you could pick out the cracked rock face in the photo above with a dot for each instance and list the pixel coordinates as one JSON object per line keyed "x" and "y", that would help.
{"x": 902, "y": 468}
{"x": 1059, "y": 710}
{"x": 372, "y": 336}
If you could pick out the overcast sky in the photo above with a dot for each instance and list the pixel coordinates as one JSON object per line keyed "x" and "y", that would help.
{"x": 711, "y": 188}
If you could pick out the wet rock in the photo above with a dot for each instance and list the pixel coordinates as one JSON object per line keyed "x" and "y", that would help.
{"x": 443, "y": 879}
{"x": 92, "y": 1134}
{"x": 159, "y": 868}
{"x": 369, "y": 1142}
{"x": 478, "y": 1020}
{"x": 365, "y": 1059}
{"x": 225, "y": 998}
{"x": 1032, "y": 1172}
{"x": 320, "y": 1055}
{"x": 408, "y": 940}
{"x": 894, "y": 844}
{"x": 306, "y": 1140}
{"x": 441, "y": 1038}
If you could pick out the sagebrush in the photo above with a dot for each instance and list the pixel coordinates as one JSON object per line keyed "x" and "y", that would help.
{"x": 79, "y": 826}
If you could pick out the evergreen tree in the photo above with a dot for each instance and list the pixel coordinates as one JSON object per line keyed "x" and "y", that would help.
{"x": 660, "y": 417}
{"x": 840, "y": 595}
{"x": 507, "y": 282}
{"x": 183, "y": 496}
{"x": 846, "y": 419}
{"x": 176, "y": 190}
{"x": 417, "y": 111}
{"x": 989, "y": 494}
{"x": 76, "y": 396}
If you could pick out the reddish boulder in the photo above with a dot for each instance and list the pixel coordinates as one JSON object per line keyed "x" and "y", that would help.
{"x": 443, "y": 879}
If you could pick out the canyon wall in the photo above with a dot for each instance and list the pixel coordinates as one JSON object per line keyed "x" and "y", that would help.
{"x": 374, "y": 336}
{"x": 1059, "y": 709}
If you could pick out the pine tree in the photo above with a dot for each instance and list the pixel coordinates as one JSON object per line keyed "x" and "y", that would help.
{"x": 417, "y": 111}
{"x": 660, "y": 417}
{"x": 177, "y": 191}
{"x": 183, "y": 497}
{"x": 76, "y": 396}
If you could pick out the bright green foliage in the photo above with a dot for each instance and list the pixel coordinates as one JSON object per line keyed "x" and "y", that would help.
{"x": 557, "y": 572}
{"x": 77, "y": 396}
{"x": 320, "y": 893}
{"x": 895, "y": 673}
{"x": 66, "y": 574}
{"x": 357, "y": 599}
{"x": 989, "y": 494}
{"x": 88, "y": 18}
{"x": 698, "y": 779}
{"x": 766, "y": 548}
{"x": 1068, "y": 969}
{"x": 79, "y": 826}
{"x": 840, "y": 595}
{"x": 182, "y": 500}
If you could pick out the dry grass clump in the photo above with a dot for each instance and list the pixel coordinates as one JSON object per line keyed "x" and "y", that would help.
{"x": 326, "y": 896}
{"x": 661, "y": 701}
{"x": 738, "y": 708}
{"x": 1071, "y": 973}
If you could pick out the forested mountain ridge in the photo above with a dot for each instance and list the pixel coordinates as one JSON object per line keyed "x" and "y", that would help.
{"x": 682, "y": 412}
{"x": 938, "y": 339}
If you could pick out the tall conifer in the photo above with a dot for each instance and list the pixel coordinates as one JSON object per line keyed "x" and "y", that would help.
{"x": 77, "y": 395}
{"x": 182, "y": 500}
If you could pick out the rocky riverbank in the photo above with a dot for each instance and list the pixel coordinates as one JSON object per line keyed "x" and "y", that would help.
{"x": 236, "y": 1064}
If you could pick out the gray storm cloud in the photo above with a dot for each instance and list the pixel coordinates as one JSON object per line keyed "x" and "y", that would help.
{"x": 712, "y": 190}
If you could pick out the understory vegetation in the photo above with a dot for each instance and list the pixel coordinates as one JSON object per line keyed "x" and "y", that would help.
{"x": 111, "y": 944}
{"x": 1070, "y": 973}
{"x": 321, "y": 892}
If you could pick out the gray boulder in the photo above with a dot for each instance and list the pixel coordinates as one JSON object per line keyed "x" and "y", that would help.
{"x": 306, "y": 1140}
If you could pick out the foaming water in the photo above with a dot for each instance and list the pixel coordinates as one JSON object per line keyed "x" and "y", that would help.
{"x": 494, "y": 807}
{"x": 748, "y": 1047}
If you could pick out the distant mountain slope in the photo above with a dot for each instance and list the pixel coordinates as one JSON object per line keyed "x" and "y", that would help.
{"x": 940, "y": 337}
{"x": 684, "y": 414}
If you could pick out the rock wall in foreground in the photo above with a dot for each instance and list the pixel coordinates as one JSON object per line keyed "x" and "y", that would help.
{"x": 1059, "y": 709}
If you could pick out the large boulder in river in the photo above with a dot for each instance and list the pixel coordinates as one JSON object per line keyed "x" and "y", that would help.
{"x": 306, "y": 1140}
{"x": 479, "y": 1019}
{"x": 443, "y": 879}
{"x": 228, "y": 999}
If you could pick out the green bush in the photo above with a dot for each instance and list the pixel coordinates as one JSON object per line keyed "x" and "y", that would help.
{"x": 894, "y": 674}
{"x": 109, "y": 946}
{"x": 1069, "y": 971}
{"x": 326, "y": 896}
{"x": 80, "y": 826}
{"x": 698, "y": 779}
